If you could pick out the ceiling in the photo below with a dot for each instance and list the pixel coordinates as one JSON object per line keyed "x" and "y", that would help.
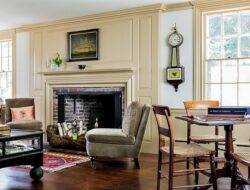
{"x": 14, "y": 13}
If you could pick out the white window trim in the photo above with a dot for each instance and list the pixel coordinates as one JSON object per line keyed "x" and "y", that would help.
{"x": 11, "y": 34}
{"x": 202, "y": 7}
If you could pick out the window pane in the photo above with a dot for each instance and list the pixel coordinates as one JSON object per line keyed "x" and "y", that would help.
{"x": 230, "y": 24}
{"x": 245, "y": 46}
{"x": 214, "y": 49}
{"x": 5, "y": 64}
{"x": 9, "y": 79}
{"x": 5, "y": 69}
{"x": 10, "y": 49}
{"x": 229, "y": 71}
{"x": 244, "y": 71}
{"x": 229, "y": 95}
{"x": 245, "y": 23}
{"x": 214, "y": 26}
{"x": 10, "y": 64}
{"x": 212, "y": 92}
{"x": 230, "y": 47}
{"x": 213, "y": 72}
{"x": 5, "y": 50}
{"x": 3, "y": 80}
{"x": 244, "y": 90}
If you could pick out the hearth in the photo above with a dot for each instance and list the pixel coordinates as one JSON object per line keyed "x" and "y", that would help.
{"x": 89, "y": 104}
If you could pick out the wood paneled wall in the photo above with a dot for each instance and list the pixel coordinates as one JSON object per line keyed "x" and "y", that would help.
{"x": 125, "y": 41}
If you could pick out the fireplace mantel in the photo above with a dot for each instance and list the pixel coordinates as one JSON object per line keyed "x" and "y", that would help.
{"x": 88, "y": 71}
{"x": 115, "y": 77}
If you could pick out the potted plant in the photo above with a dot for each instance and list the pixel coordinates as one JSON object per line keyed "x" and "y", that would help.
{"x": 56, "y": 61}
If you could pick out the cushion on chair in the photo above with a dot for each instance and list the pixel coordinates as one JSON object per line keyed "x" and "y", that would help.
{"x": 131, "y": 119}
{"x": 109, "y": 136}
{"x": 29, "y": 125}
{"x": 22, "y": 113}
{"x": 16, "y": 103}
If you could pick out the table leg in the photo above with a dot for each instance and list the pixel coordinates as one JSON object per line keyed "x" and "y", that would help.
{"x": 226, "y": 170}
{"x": 228, "y": 150}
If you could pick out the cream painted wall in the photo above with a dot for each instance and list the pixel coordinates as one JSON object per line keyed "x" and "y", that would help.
{"x": 184, "y": 23}
{"x": 22, "y": 64}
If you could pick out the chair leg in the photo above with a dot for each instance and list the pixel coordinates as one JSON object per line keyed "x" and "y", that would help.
{"x": 213, "y": 175}
{"x": 196, "y": 165}
{"x": 234, "y": 175}
{"x": 170, "y": 175}
{"x": 158, "y": 170}
{"x": 187, "y": 164}
{"x": 248, "y": 172}
{"x": 93, "y": 162}
{"x": 216, "y": 152}
{"x": 137, "y": 164}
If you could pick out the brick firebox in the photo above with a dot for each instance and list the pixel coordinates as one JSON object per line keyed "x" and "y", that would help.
{"x": 88, "y": 103}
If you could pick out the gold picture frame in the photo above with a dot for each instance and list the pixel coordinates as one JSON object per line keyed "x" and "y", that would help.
{"x": 83, "y": 45}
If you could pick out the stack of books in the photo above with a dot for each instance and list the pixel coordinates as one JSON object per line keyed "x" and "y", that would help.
{"x": 229, "y": 111}
{"x": 4, "y": 130}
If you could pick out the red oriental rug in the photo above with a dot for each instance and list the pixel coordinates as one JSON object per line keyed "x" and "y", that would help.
{"x": 53, "y": 161}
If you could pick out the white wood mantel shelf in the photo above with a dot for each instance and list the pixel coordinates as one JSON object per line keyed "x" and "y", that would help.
{"x": 103, "y": 70}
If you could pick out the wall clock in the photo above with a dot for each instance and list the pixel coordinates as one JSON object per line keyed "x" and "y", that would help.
{"x": 175, "y": 72}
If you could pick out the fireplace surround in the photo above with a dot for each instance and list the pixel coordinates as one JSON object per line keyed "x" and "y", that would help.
{"x": 88, "y": 104}
{"x": 113, "y": 81}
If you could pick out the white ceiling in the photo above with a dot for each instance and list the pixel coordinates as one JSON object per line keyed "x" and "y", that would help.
{"x": 14, "y": 13}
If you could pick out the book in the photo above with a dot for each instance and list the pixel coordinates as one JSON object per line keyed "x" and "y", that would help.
{"x": 229, "y": 111}
{"x": 4, "y": 127}
{"x": 4, "y": 130}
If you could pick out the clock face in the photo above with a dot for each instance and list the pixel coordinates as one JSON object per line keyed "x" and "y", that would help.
{"x": 175, "y": 39}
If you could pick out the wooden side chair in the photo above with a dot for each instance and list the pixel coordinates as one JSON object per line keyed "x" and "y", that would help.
{"x": 203, "y": 138}
{"x": 178, "y": 151}
{"x": 237, "y": 179}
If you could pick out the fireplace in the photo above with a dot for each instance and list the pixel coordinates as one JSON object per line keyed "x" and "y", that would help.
{"x": 101, "y": 105}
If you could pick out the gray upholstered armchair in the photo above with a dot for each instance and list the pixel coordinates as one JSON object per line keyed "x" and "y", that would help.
{"x": 17, "y": 103}
{"x": 125, "y": 142}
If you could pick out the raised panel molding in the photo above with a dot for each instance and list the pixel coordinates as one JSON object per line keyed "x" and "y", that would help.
{"x": 145, "y": 53}
{"x": 38, "y": 104}
{"x": 148, "y": 132}
{"x": 54, "y": 41}
{"x": 37, "y": 60}
{"x": 116, "y": 41}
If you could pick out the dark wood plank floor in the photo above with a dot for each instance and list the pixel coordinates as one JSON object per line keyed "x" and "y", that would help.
{"x": 109, "y": 175}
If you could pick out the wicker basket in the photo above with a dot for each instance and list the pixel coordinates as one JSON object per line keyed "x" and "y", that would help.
{"x": 56, "y": 141}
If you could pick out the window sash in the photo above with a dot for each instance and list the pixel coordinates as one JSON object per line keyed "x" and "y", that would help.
{"x": 222, "y": 59}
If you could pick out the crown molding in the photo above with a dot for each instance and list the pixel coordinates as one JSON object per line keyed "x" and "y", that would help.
{"x": 178, "y": 6}
{"x": 212, "y": 5}
{"x": 95, "y": 17}
{"x": 7, "y": 33}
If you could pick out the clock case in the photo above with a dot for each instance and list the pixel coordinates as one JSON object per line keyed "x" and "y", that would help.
{"x": 175, "y": 81}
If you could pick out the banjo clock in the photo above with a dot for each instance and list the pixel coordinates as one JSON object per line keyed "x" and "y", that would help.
{"x": 175, "y": 72}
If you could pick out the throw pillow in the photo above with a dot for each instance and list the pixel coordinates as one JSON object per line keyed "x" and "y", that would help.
{"x": 22, "y": 113}
{"x": 131, "y": 119}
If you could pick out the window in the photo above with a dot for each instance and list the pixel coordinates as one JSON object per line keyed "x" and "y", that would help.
{"x": 227, "y": 57}
{"x": 5, "y": 69}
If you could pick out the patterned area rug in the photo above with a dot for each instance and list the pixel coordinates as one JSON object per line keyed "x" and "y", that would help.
{"x": 53, "y": 161}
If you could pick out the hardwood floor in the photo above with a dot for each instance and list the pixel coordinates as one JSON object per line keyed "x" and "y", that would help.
{"x": 109, "y": 175}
